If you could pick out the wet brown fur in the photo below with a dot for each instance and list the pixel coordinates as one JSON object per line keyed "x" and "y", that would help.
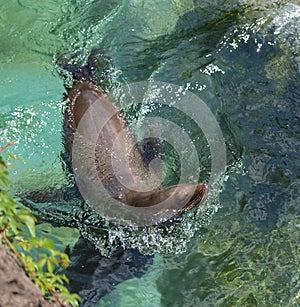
{"x": 137, "y": 174}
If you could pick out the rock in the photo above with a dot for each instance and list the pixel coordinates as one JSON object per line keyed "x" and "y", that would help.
{"x": 17, "y": 289}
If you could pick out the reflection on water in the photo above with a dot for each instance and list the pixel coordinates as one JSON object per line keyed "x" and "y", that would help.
{"x": 243, "y": 60}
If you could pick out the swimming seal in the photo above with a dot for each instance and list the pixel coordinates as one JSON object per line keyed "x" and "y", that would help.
{"x": 140, "y": 186}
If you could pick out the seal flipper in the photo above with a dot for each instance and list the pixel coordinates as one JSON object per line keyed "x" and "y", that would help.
{"x": 52, "y": 194}
{"x": 96, "y": 69}
{"x": 52, "y": 204}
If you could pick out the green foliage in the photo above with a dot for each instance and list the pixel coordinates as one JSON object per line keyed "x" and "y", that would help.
{"x": 37, "y": 256}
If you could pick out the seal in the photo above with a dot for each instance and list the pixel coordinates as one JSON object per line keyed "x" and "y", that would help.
{"x": 88, "y": 105}
{"x": 140, "y": 187}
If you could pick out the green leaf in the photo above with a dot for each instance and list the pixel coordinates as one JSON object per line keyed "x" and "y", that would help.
{"x": 50, "y": 266}
{"x": 29, "y": 221}
{"x": 10, "y": 155}
{"x": 41, "y": 264}
{"x": 47, "y": 243}
{"x": 23, "y": 243}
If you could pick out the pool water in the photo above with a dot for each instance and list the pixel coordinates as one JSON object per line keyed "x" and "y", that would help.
{"x": 242, "y": 58}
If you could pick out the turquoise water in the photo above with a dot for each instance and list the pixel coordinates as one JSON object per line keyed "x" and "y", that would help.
{"x": 243, "y": 60}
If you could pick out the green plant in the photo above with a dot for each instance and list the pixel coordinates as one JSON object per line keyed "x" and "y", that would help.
{"x": 37, "y": 256}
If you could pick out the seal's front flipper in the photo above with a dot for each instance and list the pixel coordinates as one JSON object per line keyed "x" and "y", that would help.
{"x": 54, "y": 205}
{"x": 51, "y": 195}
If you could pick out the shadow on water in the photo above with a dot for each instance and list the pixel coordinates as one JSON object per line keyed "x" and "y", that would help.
{"x": 93, "y": 275}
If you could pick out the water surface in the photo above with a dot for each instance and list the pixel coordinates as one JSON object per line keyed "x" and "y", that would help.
{"x": 243, "y": 60}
